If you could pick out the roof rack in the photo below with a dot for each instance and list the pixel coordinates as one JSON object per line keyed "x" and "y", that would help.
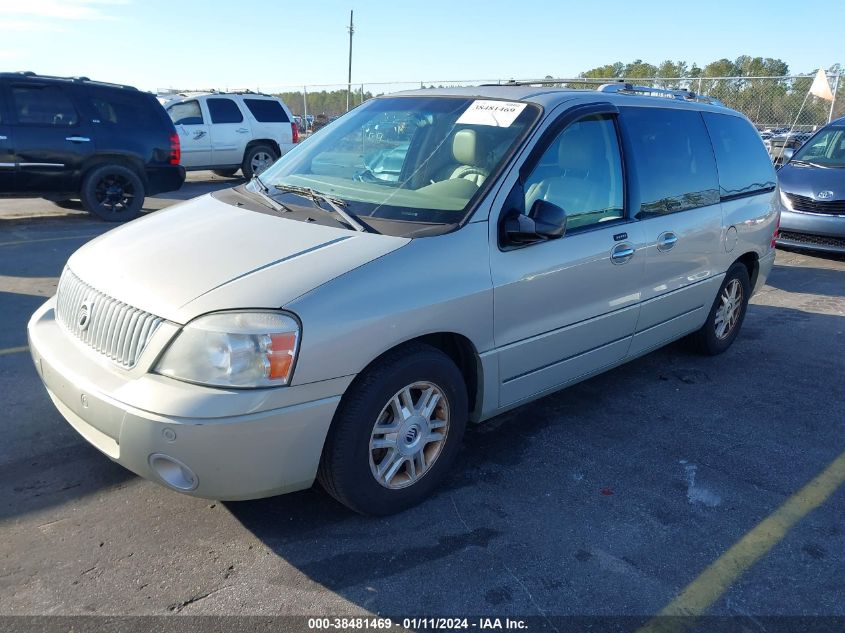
{"x": 621, "y": 86}
{"x": 541, "y": 82}
{"x": 78, "y": 79}
{"x": 683, "y": 94}
{"x": 176, "y": 93}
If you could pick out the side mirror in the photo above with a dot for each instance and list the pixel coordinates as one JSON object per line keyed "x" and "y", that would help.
{"x": 545, "y": 221}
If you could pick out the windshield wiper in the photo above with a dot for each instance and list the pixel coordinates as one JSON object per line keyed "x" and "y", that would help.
{"x": 335, "y": 203}
{"x": 805, "y": 163}
{"x": 264, "y": 192}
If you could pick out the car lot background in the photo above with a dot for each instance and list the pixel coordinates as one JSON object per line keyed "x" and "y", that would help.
{"x": 606, "y": 498}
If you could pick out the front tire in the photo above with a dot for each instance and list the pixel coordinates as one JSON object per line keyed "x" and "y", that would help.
{"x": 113, "y": 192}
{"x": 396, "y": 432}
{"x": 727, "y": 313}
{"x": 258, "y": 158}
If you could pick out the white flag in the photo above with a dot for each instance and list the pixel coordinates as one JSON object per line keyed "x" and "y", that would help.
{"x": 821, "y": 87}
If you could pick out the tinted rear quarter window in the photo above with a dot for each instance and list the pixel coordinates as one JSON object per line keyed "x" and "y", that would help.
{"x": 224, "y": 111}
{"x": 125, "y": 109}
{"x": 744, "y": 165}
{"x": 267, "y": 110}
{"x": 43, "y": 105}
{"x": 673, "y": 160}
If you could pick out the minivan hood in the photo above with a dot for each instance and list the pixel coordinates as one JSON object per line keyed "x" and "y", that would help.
{"x": 809, "y": 181}
{"x": 205, "y": 255}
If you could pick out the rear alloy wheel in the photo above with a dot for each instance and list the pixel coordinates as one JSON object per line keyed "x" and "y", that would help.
{"x": 396, "y": 431}
{"x": 257, "y": 159}
{"x": 113, "y": 192}
{"x": 727, "y": 313}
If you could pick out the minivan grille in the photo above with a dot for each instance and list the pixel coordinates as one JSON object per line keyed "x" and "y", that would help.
{"x": 808, "y": 205}
{"x": 113, "y": 328}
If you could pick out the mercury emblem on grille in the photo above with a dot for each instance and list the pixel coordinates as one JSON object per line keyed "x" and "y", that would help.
{"x": 83, "y": 317}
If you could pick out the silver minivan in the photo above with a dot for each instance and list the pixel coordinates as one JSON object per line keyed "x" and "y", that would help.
{"x": 430, "y": 259}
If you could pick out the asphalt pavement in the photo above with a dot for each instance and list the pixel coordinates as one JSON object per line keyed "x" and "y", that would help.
{"x": 605, "y": 499}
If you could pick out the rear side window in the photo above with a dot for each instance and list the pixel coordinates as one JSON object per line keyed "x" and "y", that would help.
{"x": 125, "y": 109}
{"x": 224, "y": 111}
{"x": 673, "y": 160}
{"x": 43, "y": 105}
{"x": 744, "y": 165}
{"x": 267, "y": 111}
{"x": 186, "y": 113}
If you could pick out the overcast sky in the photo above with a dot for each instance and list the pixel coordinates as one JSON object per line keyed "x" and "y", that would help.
{"x": 268, "y": 44}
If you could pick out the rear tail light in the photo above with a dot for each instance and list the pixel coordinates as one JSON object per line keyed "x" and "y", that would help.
{"x": 175, "y": 149}
{"x": 295, "y": 131}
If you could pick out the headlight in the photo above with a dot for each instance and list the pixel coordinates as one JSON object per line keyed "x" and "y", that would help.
{"x": 234, "y": 349}
{"x": 785, "y": 201}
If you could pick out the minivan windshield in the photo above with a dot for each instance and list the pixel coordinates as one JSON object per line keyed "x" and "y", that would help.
{"x": 421, "y": 159}
{"x": 826, "y": 149}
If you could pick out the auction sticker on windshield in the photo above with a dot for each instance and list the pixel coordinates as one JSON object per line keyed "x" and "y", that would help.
{"x": 487, "y": 112}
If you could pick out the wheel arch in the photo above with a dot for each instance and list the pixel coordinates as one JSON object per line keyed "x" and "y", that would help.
{"x": 751, "y": 261}
{"x": 463, "y": 353}
{"x": 262, "y": 141}
{"x": 124, "y": 160}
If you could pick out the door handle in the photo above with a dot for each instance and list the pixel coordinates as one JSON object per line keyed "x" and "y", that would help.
{"x": 78, "y": 139}
{"x": 665, "y": 241}
{"x": 242, "y": 130}
{"x": 621, "y": 253}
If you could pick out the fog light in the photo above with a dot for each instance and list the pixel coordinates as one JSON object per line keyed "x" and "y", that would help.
{"x": 173, "y": 472}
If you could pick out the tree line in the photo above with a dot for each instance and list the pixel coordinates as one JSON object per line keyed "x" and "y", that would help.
{"x": 327, "y": 102}
{"x": 772, "y": 98}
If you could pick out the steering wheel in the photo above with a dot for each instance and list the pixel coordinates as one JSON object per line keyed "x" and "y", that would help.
{"x": 467, "y": 171}
{"x": 365, "y": 175}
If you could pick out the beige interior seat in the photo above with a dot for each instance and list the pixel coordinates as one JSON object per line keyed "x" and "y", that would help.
{"x": 469, "y": 151}
{"x": 580, "y": 182}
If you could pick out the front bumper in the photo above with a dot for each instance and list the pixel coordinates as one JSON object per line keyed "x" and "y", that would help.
{"x": 250, "y": 451}
{"x": 814, "y": 231}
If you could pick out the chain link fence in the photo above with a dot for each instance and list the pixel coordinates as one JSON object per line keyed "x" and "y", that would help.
{"x": 772, "y": 103}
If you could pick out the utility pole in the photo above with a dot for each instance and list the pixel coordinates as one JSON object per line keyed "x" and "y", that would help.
{"x": 349, "y": 83}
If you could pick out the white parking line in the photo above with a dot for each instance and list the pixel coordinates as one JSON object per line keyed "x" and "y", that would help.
{"x": 14, "y": 350}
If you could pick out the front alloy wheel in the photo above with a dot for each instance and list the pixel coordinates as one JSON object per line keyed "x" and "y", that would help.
{"x": 409, "y": 435}
{"x": 396, "y": 432}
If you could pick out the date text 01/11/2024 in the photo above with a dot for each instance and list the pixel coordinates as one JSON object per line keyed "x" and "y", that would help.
{"x": 434, "y": 624}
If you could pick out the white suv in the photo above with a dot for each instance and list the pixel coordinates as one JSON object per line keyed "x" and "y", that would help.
{"x": 225, "y": 132}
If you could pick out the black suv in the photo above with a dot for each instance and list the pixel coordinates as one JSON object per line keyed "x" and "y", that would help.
{"x": 63, "y": 138}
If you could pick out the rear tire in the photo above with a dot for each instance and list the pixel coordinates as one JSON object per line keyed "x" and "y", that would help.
{"x": 258, "y": 158}
{"x": 419, "y": 391}
{"x": 225, "y": 173}
{"x": 727, "y": 313}
{"x": 113, "y": 192}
